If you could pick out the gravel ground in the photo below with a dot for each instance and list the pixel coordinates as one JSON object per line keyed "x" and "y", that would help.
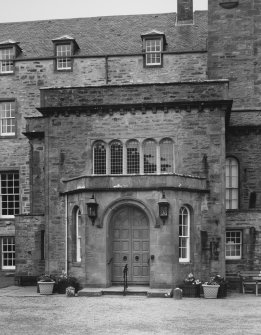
{"x": 58, "y": 314}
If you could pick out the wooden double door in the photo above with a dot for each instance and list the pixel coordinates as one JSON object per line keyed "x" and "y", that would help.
{"x": 130, "y": 245}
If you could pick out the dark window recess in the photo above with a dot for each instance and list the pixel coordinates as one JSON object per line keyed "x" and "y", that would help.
{"x": 252, "y": 200}
{"x": 42, "y": 244}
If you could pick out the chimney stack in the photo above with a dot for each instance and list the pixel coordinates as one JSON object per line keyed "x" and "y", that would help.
{"x": 185, "y": 12}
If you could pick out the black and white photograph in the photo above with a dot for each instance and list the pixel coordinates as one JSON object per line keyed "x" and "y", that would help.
{"x": 130, "y": 167}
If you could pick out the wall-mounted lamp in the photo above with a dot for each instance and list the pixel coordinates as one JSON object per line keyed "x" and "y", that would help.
{"x": 92, "y": 209}
{"x": 163, "y": 208}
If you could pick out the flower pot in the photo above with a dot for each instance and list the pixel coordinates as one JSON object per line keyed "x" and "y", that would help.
{"x": 210, "y": 291}
{"x": 45, "y": 288}
{"x": 191, "y": 291}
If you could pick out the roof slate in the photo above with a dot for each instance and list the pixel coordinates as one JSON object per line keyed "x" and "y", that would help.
{"x": 107, "y": 35}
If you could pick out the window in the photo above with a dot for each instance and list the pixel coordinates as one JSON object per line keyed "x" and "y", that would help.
{"x": 133, "y": 157}
{"x": 233, "y": 244}
{"x": 78, "y": 235}
{"x": 63, "y": 53}
{"x": 153, "y": 51}
{"x": 184, "y": 234}
{"x": 99, "y": 158}
{"x": 231, "y": 183}
{"x": 116, "y": 157}
{"x": 166, "y": 156}
{"x": 9, "y": 194}
{"x": 8, "y": 253}
{"x": 149, "y": 156}
{"x": 7, "y": 118}
{"x": 7, "y": 60}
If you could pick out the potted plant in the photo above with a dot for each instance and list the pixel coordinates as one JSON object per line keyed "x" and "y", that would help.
{"x": 211, "y": 287}
{"x": 64, "y": 281}
{"x": 45, "y": 284}
{"x": 191, "y": 286}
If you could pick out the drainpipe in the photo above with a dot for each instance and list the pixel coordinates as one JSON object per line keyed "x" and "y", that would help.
{"x": 66, "y": 234}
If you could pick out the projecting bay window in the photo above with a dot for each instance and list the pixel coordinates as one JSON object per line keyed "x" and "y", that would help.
{"x": 133, "y": 157}
{"x": 7, "y": 119}
{"x": 8, "y": 253}
{"x": 231, "y": 183}
{"x": 233, "y": 244}
{"x": 9, "y": 194}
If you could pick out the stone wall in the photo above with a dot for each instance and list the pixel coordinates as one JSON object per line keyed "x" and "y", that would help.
{"x": 234, "y": 50}
{"x": 30, "y": 260}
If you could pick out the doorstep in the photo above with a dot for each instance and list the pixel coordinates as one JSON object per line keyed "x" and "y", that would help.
{"x": 131, "y": 290}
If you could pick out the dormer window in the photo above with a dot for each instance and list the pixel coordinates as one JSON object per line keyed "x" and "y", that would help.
{"x": 63, "y": 54}
{"x": 154, "y": 43}
{"x": 153, "y": 52}
{"x": 65, "y": 48}
{"x": 8, "y": 52}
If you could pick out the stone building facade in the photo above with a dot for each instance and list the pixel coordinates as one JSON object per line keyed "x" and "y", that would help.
{"x": 130, "y": 140}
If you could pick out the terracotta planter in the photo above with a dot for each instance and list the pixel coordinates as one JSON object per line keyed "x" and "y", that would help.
{"x": 210, "y": 291}
{"x": 46, "y": 288}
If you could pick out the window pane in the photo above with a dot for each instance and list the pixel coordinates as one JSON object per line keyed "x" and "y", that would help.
{"x": 99, "y": 156}
{"x": 184, "y": 234}
{"x": 153, "y": 52}
{"x": 133, "y": 157}
{"x": 149, "y": 157}
{"x": 166, "y": 156}
{"x": 6, "y": 60}
{"x": 231, "y": 183}
{"x": 9, "y": 195}
{"x": 7, "y": 118}
{"x": 64, "y": 53}
{"x": 233, "y": 244}
{"x": 116, "y": 157}
{"x": 8, "y": 253}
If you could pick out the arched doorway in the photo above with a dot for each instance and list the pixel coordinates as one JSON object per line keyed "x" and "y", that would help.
{"x": 130, "y": 245}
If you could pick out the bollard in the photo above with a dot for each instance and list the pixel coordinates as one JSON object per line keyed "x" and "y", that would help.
{"x": 177, "y": 293}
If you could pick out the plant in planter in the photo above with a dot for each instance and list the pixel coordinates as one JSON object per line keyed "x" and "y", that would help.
{"x": 191, "y": 286}
{"x": 215, "y": 287}
{"x": 64, "y": 281}
{"x": 45, "y": 284}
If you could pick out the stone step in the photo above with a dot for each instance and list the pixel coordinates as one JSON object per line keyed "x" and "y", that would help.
{"x": 131, "y": 290}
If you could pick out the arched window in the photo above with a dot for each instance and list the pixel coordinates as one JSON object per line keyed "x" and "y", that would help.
{"x": 76, "y": 234}
{"x": 166, "y": 156}
{"x": 116, "y": 157}
{"x": 133, "y": 157}
{"x": 184, "y": 234}
{"x": 99, "y": 158}
{"x": 150, "y": 156}
{"x": 231, "y": 183}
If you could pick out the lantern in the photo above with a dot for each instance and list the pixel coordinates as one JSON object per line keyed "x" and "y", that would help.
{"x": 92, "y": 209}
{"x": 163, "y": 208}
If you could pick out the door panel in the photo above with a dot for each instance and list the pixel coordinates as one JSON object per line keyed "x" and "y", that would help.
{"x": 130, "y": 245}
